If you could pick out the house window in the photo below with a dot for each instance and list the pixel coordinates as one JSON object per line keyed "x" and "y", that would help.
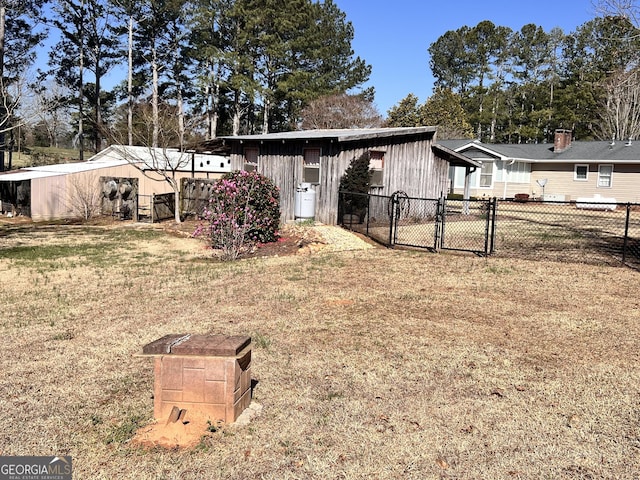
{"x": 250, "y": 159}
{"x": 311, "y": 161}
{"x": 376, "y": 166}
{"x": 581, "y": 173}
{"x": 486, "y": 175}
{"x": 605, "y": 174}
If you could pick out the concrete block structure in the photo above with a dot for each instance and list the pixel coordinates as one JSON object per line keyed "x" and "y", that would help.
{"x": 205, "y": 374}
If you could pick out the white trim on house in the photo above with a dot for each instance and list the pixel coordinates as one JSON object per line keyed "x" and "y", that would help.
{"x": 576, "y": 176}
{"x": 607, "y": 177}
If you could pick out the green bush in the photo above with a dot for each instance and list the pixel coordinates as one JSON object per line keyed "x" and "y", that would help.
{"x": 355, "y": 184}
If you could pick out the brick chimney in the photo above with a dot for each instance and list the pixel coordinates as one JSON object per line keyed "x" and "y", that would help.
{"x": 561, "y": 140}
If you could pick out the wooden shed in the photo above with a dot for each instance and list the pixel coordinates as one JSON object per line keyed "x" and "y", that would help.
{"x": 404, "y": 159}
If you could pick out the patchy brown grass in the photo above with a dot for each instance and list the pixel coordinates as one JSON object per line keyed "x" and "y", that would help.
{"x": 369, "y": 364}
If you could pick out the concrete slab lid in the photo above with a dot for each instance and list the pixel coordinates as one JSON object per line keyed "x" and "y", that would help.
{"x": 207, "y": 345}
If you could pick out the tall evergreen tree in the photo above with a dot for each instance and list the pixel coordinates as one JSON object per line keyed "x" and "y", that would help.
{"x": 88, "y": 44}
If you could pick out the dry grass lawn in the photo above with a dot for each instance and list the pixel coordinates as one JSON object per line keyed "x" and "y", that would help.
{"x": 372, "y": 364}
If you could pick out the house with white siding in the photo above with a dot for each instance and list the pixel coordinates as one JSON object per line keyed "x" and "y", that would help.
{"x": 563, "y": 171}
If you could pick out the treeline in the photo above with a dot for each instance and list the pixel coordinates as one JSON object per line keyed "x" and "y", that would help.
{"x": 191, "y": 69}
{"x": 519, "y": 86}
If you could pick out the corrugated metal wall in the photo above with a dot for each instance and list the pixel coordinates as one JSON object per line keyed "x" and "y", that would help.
{"x": 50, "y": 195}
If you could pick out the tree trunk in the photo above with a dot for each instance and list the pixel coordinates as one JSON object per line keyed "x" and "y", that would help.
{"x": 266, "y": 113}
{"x": 81, "y": 93}
{"x": 3, "y": 13}
{"x": 155, "y": 120}
{"x": 180, "y": 107}
{"x": 213, "y": 94}
{"x": 176, "y": 200}
{"x": 97, "y": 131}
{"x": 130, "y": 85}
{"x": 236, "y": 114}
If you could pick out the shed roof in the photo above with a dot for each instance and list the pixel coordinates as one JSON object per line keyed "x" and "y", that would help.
{"x": 339, "y": 135}
{"x": 117, "y": 155}
{"x": 454, "y": 158}
{"x": 20, "y": 175}
{"x": 149, "y": 158}
{"x": 44, "y": 171}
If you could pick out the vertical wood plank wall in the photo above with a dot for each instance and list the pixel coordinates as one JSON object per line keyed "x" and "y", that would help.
{"x": 409, "y": 165}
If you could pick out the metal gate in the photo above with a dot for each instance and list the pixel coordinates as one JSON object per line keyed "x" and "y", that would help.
{"x": 443, "y": 224}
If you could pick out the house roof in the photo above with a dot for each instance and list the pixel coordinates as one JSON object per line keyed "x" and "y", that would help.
{"x": 577, "y": 152}
{"x": 339, "y": 135}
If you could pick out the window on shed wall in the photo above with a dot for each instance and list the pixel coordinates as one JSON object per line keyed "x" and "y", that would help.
{"x": 311, "y": 160}
{"x": 605, "y": 175}
{"x": 251, "y": 159}
{"x": 376, "y": 165}
{"x": 581, "y": 173}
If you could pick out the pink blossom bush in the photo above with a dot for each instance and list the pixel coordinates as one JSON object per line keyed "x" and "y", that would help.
{"x": 243, "y": 210}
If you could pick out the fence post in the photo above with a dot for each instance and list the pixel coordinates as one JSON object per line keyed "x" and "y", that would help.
{"x": 626, "y": 234}
{"x": 487, "y": 226}
{"x": 437, "y": 230}
{"x": 368, "y": 212}
{"x": 443, "y": 220}
{"x": 392, "y": 219}
{"x": 492, "y": 237}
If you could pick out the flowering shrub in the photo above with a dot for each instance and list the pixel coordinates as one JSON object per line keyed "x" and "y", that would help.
{"x": 243, "y": 210}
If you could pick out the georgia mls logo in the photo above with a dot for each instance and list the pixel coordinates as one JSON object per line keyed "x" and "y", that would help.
{"x": 35, "y": 468}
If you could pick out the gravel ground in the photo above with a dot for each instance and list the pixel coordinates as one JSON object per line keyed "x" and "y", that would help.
{"x": 339, "y": 239}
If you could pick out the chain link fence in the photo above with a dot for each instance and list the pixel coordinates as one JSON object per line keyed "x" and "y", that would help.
{"x": 596, "y": 233}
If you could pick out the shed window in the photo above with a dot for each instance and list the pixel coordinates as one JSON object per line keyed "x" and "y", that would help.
{"x": 311, "y": 164}
{"x": 250, "y": 159}
{"x": 581, "y": 173}
{"x": 605, "y": 174}
{"x": 376, "y": 166}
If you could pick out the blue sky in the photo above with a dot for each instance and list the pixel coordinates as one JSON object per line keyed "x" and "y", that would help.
{"x": 393, "y": 36}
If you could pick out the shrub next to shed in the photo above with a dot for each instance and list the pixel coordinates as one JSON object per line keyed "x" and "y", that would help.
{"x": 244, "y": 209}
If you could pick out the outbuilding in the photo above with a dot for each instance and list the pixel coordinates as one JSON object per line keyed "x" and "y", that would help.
{"x": 117, "y": 177}
{"x": 406, "y": 159}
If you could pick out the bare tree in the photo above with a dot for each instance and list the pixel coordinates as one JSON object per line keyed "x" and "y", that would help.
{"x": 619, "y": 8}
{"x": 159, "y": 163}
{"x": 51, "y": 110}
{"x": 620, "y": 104}
{"x": 85, "y": 196}
{"x": 620, "y": 115}
{"x": 340, "y": 111}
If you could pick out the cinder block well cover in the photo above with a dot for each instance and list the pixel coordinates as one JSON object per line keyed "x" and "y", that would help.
{"x": 201, "y": 345}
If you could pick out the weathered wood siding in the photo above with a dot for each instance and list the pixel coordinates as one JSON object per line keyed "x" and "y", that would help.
{"x": 409, "y": 165}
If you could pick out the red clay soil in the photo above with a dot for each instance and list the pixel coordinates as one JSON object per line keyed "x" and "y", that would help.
{"x": 185, "y": 433}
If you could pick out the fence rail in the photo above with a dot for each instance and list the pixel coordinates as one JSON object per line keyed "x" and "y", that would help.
{"x": 601, "y": 233}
